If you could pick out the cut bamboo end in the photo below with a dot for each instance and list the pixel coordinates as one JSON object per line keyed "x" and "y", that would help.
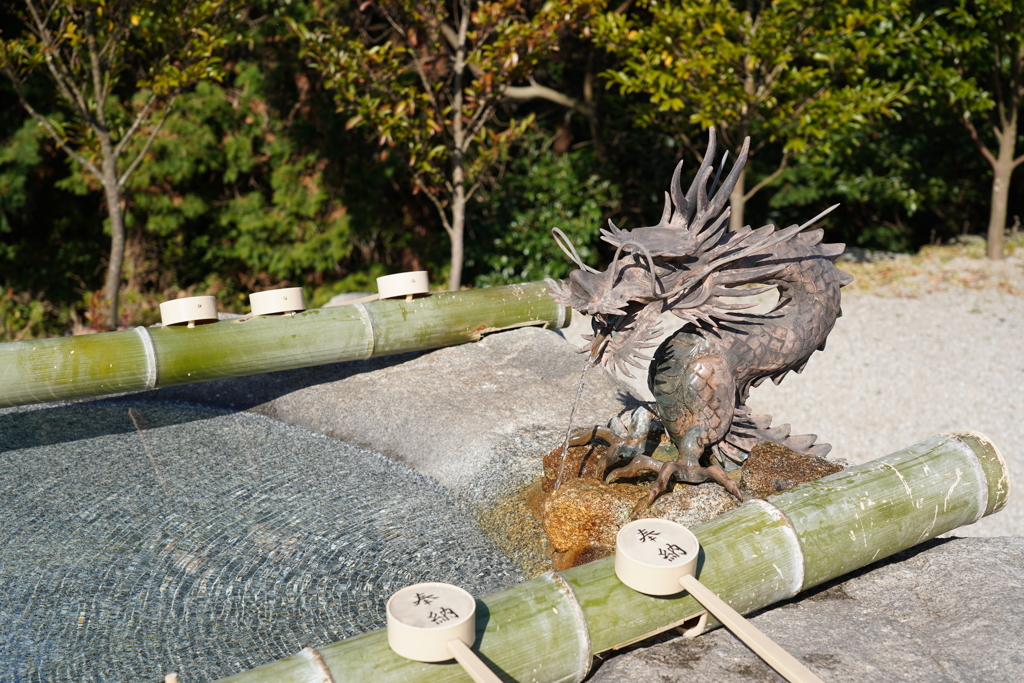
{"x": 997, "y": 473}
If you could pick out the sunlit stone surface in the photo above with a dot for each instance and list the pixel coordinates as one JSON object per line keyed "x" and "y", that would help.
{"x": 141, "y": 538}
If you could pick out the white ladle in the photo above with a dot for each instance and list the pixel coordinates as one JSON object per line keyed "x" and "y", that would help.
{"x": 191, "y": 310}
{"x": 657, "y": 556}
{"x": 276, "y": 301}
{"x": 395, "y": 286}
{"x": 435, "y": 622}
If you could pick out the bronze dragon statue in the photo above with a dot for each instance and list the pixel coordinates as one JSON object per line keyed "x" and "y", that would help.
{"x": 700, "y": 376}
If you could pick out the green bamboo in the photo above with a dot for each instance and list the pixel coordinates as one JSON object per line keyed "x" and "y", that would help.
{"x": 548, "y": 629}
{"x": 145, "y": 358}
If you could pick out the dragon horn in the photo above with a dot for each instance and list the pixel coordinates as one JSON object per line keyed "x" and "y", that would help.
{"x": 709, "y": 157}
{"x": 678, "y": 200}
{"x": 819, "y": 217}
{"x": 711, "y": 234}
{"x": 722, "y": 196}
{"x": 666, "y": 213}
{"x": 700, "y": 218}
{"x": 718, "y": 175}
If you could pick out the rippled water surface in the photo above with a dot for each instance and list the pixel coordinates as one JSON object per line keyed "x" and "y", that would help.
{"x": 137, "y": 539}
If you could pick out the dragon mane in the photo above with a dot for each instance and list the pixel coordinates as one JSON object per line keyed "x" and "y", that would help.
{"x": 689, "y": 264}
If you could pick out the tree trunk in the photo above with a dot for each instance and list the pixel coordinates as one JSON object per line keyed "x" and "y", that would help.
{"x": 458, "y": 228}
{"x": 1002, "y": 170}
{"x": 459, "y": 144}
{"x": 113, "y": 195}
{"x": 737, "y": 201}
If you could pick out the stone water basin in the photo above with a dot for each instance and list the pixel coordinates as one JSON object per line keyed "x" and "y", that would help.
{"x": 139, "y": 538}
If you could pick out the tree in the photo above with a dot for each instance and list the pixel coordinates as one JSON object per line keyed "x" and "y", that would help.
{"x": 118, "y": 66}
{"x": 429, "y": 79}
{"x": 539, "y": 189}
{"x": 972, "y": 57}
{"x": 788, "y": 73}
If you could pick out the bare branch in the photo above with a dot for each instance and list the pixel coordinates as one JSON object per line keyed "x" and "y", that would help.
{"x": 977, "y": 139}
{"x": 775, "y": 174}
{"x": 145, "y": 148}
{"x": 440, "y": 210}
{"x": 482, "y": 116}
{"x": 65, "y": 83}
{"x": 998, "y": 85}
{"x": 97, "y": 75}
{"x": 536, "y": 90}
{"x": 136, "y": 123}
{"x": 53, "y": 8}
{"x": 476, "y": 186}
{"x": 49, "y": 127}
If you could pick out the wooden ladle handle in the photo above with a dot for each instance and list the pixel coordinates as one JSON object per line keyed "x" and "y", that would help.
{"x": 476, "y": 669}
{"x": 777, "y": 658}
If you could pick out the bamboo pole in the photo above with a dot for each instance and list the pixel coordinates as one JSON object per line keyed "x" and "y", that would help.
{"x": 146, "y": 358}
{"x": 549, "y": 628}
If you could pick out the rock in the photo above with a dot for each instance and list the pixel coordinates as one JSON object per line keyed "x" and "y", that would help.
{"x": 475, "y": 417}
{"x": 582, "y": 518}
{"x": 690, "y": 505}
{"x": 948, "y": 610}
{"x": 771, "y": 468}
{"x": 346, "y": 297}
{"x": 581, "y": 462}
{"x": 586, "y": 513}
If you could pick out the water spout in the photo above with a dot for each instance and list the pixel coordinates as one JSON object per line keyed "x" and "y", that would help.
{"x": 591, "y": 362}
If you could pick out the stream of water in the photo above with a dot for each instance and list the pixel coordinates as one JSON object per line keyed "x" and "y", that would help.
{"x": 572, "y": 419}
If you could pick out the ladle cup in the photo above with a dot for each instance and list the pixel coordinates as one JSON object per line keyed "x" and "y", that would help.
{"x": 657, "y": 556}
{"x": 435, "y": 622}
{"x": 286, "y": 301}
{"x": 190, "y": 311}
{"x": 405, "y": 285}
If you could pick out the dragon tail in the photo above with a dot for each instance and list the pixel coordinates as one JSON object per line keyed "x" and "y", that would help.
{"x": 748, "y": 430}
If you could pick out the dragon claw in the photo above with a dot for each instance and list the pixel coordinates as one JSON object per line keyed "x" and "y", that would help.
{"x": 631, "y": 444}
{"x": 681, "y": 470}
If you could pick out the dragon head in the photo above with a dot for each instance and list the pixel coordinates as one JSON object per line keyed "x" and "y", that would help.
{"x": 649, "y": 264}
{"x": 687, "y": 264}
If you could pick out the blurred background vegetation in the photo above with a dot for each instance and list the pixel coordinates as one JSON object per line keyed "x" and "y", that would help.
{"x": 319, "y": 143}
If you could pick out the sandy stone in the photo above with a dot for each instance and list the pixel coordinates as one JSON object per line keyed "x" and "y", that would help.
{"x": 690, "y": 505}
{"x": 771, "y": 468}
{"x": 586, "y": 512}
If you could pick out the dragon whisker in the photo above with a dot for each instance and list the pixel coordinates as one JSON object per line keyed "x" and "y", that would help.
{"x": 574, "y": 257}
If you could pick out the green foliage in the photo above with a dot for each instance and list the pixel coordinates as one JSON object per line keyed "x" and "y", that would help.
{"x": 320, "y": 159}
{"x": 267, "y": 216}
{"x": 117, "y": 65}
{"x": 539, "y": 190}
{"x": 788, "y": 73}
{"x": 427, "y": 78}
{"x": 17, "y": 157}
{"x": 24, "y": 316}
{"x": 100, "y": 54}
{"x": 971, "y": 58}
